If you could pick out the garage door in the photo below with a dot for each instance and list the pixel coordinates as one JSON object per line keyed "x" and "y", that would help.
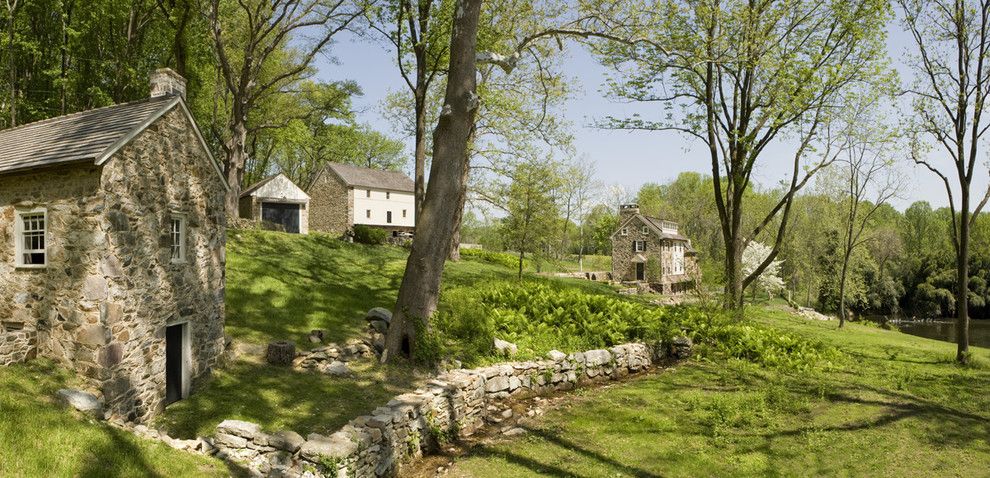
{"x": 286, "y": 215}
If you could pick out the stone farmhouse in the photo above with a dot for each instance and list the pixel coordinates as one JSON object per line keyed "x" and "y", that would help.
{"x": 112, "y": 234}
{"x": 343, "y": 196}
{"x": 276, "y": 200}
{"x": 650, "y": 252}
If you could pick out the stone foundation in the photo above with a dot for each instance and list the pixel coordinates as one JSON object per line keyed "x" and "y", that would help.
{"x": 454, "y": 405}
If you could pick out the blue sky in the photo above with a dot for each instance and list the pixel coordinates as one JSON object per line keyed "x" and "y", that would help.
{"x": 624, "y": 158}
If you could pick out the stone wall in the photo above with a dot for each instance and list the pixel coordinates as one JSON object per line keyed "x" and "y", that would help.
{"x": 102, "y": 303}
{"x": 330, "y": 203}
{"x": 454, "y": 405}
{"x": 162, "y": 172}
{"x": 54, "y": 311}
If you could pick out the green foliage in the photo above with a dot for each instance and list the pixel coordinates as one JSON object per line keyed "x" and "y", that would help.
{"x": 539, "y": 316}
{"x": 369, "y": 235}
{"x": 498, "y": 258}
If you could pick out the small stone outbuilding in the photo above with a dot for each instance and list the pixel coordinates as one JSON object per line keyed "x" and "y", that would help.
{"x": 276, "y": 200}
{"x": 112, "y": 235}
{"x": 651, "y": 252}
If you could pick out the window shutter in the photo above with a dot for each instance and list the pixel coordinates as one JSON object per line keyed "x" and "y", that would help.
{"x": 644, "y": 246}
{"x": 634, "y": 246}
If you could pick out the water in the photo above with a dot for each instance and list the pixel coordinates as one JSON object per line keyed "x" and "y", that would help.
{"x": 945, "y": 330}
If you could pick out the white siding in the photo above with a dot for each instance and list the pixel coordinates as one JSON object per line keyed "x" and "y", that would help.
{"x": 380, "y": 206}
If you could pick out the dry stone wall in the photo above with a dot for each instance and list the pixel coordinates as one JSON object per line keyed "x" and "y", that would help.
{"x": 330, "y": 204}
{"x": 454, "y": 405}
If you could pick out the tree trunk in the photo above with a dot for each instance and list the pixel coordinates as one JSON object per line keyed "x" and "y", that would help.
{"x": 842, "y": 290}
{"x": 962, "y": 293}
{"x": 12, "y": 10}
{"x": 236, "y": 160}
{"x": 443, "y": 202}
{"x": 419, "y": 178}
{"x": 734, "y": 277}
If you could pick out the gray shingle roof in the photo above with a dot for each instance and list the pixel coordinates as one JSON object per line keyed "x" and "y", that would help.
{"x": 87, "y": 135}
{"x": 372, "y": 178}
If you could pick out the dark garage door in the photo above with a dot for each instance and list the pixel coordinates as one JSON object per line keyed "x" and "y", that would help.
{"x": 285, "y": 214}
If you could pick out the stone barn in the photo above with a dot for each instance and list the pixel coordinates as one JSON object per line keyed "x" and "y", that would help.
{"x": 276, "y": 200}
{"x": 112, "y": 235}
{"x": 651, "y": 252}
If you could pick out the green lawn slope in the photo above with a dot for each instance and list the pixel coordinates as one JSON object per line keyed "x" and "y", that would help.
{"x": 38, "y": 437}
{"x": 893, "y": 405}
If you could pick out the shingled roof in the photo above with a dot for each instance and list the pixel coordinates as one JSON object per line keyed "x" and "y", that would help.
{"x": 372, "y": 178}
{"x": 90, "y": 135}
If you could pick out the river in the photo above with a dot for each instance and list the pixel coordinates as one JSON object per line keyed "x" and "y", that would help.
{"x": 945, "y": 330}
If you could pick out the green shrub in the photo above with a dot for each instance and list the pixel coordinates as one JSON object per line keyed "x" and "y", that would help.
{"x": 539, "y": 316}
{"x": 369, "y": 235}
{"x": 504, "y": 259}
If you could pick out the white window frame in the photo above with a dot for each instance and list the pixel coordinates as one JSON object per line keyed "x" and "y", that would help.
{"x": 639, "y": 246}
{"x": 624, "y": 231}
{"x": 645, "y": 230}
{"x": 19, "y": 232}
{"x": 183, "y": 234}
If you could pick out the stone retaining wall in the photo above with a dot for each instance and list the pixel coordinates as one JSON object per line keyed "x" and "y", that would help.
{"x": 454, "y": 405}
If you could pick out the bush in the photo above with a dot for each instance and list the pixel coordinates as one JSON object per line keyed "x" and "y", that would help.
{"x": 539, "y": 316}
{"x": 369, "y": 235}
{"x": 498, "y": 258}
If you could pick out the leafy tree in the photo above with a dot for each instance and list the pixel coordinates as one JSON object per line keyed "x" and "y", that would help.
{"x": 768, "y": 280}
{"x": 745, "y": 74}
{"x": 532, "y": 210}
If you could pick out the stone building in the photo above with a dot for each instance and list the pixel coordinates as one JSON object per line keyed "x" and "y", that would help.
{"x": 276, "y": 200}
{"x": 651, "y": 252}
{"x": 343, "y": 196}
{"x": 112, "y": 234}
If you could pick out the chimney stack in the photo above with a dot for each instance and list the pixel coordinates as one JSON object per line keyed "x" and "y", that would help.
{"x": 627, "y": 210}
{"x": 166, "y": 82}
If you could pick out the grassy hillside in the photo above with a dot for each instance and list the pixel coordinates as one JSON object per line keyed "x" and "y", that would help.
{"x": 892, "y": 405}
{"x": 41, "y": 438}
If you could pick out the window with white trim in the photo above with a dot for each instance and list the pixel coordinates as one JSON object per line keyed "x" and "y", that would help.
{"x": 645, "y": 230}
{"x": 30, "y": 238}
{"x": 177, "y": 239}
{"x": 624, "y": 231}
{"x": 639, "y": 246}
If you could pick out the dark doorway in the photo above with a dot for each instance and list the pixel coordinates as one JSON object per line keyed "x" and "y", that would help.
{"x": 174, "y": 366}
{"x": 285, "y": 215}
{"x": 640, "y": 271}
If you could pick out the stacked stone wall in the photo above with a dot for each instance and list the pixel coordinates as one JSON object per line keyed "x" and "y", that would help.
{"x": 454, "y": 405}
{"x": 330, "y": 204}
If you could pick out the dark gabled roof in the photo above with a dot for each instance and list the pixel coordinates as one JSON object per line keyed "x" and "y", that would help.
{"x": 89, "y": 135}
{"x": 372, "y": 178}
{"x": 653, "y": 223}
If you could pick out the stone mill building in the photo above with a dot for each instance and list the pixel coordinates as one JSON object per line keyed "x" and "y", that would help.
{"x": 651, "y": 252}
{"x": 112, "y": 233}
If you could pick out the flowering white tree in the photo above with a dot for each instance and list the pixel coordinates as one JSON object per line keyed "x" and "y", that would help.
{"x": 769, "y": 280}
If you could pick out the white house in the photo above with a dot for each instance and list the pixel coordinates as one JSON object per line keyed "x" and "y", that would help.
{"x": 344, "y": 195}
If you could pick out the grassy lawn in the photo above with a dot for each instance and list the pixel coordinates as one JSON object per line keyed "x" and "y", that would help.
{"x": 894, "y": 405}
{"x": 38, "y": 437}
{"x": 282, "y": 286}
{"x": 592, "y": 263}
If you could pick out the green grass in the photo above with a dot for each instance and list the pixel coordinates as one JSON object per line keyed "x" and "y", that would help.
{"x": 282, "y": 286}
{"x": 38, "y": 437}
{"x": 894, "y": 405}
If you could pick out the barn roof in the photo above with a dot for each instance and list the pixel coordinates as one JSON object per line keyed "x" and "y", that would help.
{"x": 372, "y": 178}
{"x": 278, "y": 186}
{"x": 76, "y": 137}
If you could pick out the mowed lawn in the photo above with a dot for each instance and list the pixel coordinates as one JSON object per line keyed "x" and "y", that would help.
{"x": 38, "y": 437}
{"x": 280, "y": 287}
{"x": 895, "y": 405}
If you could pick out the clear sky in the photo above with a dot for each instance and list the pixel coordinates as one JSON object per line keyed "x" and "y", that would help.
{"x": 624, "y": 158}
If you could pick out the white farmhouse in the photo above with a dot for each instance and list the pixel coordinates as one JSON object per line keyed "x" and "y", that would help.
{"x": 344, "y": 195}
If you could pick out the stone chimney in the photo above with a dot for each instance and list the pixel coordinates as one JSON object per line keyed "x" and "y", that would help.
{"x": 166, "y": 82}
{"x": 627, "y": 210}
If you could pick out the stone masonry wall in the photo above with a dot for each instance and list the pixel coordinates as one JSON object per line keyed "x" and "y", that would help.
{"x": 330, "y": 204}
{"x": 164, "y": 171}
{"x": 54, "y": 311}
{"x": 453, "y": 405}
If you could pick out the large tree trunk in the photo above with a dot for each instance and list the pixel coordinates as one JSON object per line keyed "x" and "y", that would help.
{"x": 420, "y": 158}
{"x": 236, "y": 160}
{"x": 443, "y": 203}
